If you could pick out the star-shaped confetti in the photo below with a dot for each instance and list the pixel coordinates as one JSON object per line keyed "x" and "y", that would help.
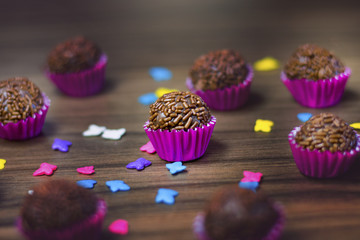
{"x": 148, "y": 147}
{"x": 87, "y": 183}
{"x": 87, "y": 170}
{"x": 175, "y": 167}
{"x": 251, "y": 176}
{"x": 139, "y": 164}
{"x": 2, "y": 163}
{"x": 160, "y": 73}
{"x": 266, "y": 64}
{"x": 117, "y": 185}
{"x": 45, "y": 169}
{"x": 249, "y": 185}
{"x": 119, "y": 226}
{"x": 161, "y": 91}
{"x": 304, "y": 116}
{"x": 355, "y": 125}
{"x": 147, "y": 99}
{"x": 113, "y": 134}
{"x": 61, "y": 145}
{"x": 263, "y": 125}
{"x": 166, "y": 196}
{"x": 94, "y": 130}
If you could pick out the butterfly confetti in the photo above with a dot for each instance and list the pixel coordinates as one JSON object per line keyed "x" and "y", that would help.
{"x": 166, "y": 196}
{"x": 148, "y": 147}
{"x": 119, "y": 226}
{"x": 61, "y": 145}
{"x": 88, "y": 170}
{"x": 2, "y": 163}
{"x": 147, "y": 99}
{"x": 304, "y": 116}
{"x": 87, "y": 183}
{"x": 175, "y": 167}
{"x": 113, "y": 134}
{"x": 117, "y": 185}
{"x": 263, "y": 125}
{"x": 266, "y": 64}
{"x": 94, "y": 130}
{"x": 139, "y": 164}
{"x": 160, "y": 73}
{"x": 45, "y": 169}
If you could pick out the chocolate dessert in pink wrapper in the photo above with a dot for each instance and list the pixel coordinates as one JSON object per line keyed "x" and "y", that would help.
{"x": 315, "y": 77}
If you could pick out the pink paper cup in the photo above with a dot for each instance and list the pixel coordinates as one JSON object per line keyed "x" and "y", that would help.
{"x": 325, "y": 164}
{"x": 274, "y": 234}
{"x": 320, "y": 93}
{"x": 88, "y": 229}
{"x": 229, "y": 98}
{"x": 27, "y": 128}
{"x": 81, "y": 84}
{"x": 180, "y": 146}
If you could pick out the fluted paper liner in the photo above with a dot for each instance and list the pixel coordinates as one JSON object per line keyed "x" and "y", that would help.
{"x": 88, "y": 229}
{"x": 180, "y": 145}
{"x": 325, "y": 164}
{"x": 81, "y": 84}
{"x": 27, "y": 128}
{"x": 319, "y": 93}
{"x": 226, "y": 99}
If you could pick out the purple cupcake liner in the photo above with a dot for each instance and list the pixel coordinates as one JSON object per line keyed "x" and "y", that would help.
{"x": 320, "y": 93}
{"x": 27, "y": 128}
{"x": 89, "y": 229}
{"x": 226, "y": 99}
{"x": 81, "y": 84}
{"x": 325, "y": 164}
{"x": 179, "y": 146}
{"x": 274, "y": 234}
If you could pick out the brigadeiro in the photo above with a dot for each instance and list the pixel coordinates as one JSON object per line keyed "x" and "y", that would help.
{"x": 60, "y": 209}
{"x": 325, "y": 146}
{"x": 236, "y": 213}
{"x": 315, "y": 77}
{"x": 222, "y": 78}
{"x": 180, "y": 126}
{"x": 23, "y": 109}
{"x": 77, "y": 67}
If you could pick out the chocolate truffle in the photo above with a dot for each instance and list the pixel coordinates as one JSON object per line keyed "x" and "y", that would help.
{"x": 312, "y": 62}
{"x": 20, "y": 98}
{"x": 217, "y": 70}
{"x": 56, "y": 205}
{"x": 73, "y": 55}
{"x": 326, "y": 131}
{"x": 178, "y": 111}
{"x": 236, "y": 213}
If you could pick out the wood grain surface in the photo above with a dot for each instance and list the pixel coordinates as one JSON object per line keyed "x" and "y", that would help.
{"x": 137, "y": 35}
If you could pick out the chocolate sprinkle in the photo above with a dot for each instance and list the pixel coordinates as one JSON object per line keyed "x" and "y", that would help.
{"x": 312, "y": 62}
{"x": 20, "y": 98}
{"x": 73, "y": 55}
{"x": 218, "y": 69}
{"x": 326, "y": 131}
{"x": 178, "y": 111}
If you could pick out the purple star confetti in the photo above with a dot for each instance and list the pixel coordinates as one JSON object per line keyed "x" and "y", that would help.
{"x": 61, "y": 145}
{"x": 139, "y": 164}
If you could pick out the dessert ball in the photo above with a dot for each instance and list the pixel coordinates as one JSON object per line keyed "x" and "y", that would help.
{"x": 20, "y": 98}
{"x": 236, "y": 213}
{"x": 326, "y": 131}
{"x": 178, "y": 111}
{"x": 218, "y": 70}
{"x": 73, "y": 55}
{"x": 312, "y": 62}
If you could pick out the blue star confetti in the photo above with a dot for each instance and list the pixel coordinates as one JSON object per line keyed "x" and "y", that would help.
{"x": 166, "y": 196}
{"x": 160, "y": 73}
{"x": 139, "y": 164}
{"x": 61, "y": 145}
{"x": 304, "y": 116}
{"x": 249, "y": 185}
{"x": 147, "y": 99}
{"x": 117, "y": 185}
{"x": 87, "y": 183}
{"x": 175, "y": 167}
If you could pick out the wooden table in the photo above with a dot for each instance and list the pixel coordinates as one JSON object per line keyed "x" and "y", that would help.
{"x": 139, "y": 34}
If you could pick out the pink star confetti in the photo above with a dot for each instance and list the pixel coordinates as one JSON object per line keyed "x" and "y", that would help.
{"x": 119, "y": 226}
{"x": 148, "y": 147}
{"x": 45, "y": 169}
{"x": 251, "y": 176}
{"x": 88, "y": 170}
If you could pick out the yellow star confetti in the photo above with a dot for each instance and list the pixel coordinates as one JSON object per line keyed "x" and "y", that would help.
{"x": 263, "y": 125}
{"x": 266, "y": 64}
{"x": 2, "y": 163}
{"x": 355, "y": 125}
{"x": 161, "y": 91}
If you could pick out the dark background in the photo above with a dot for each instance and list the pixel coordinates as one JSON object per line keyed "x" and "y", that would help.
{"x": 137, "y": 35}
